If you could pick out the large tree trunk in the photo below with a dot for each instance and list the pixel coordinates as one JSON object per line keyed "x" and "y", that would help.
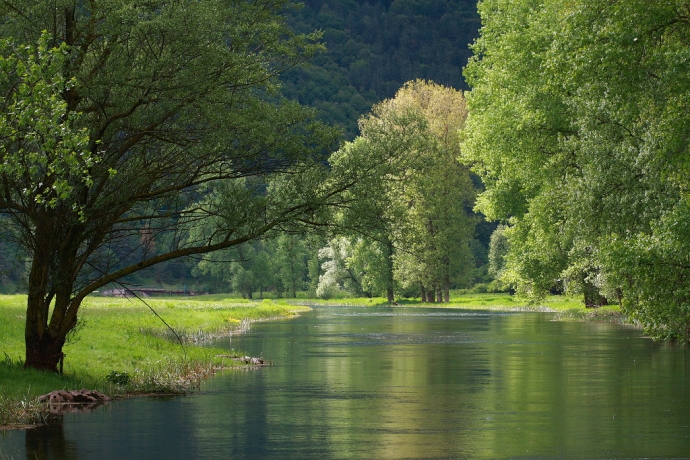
{"x": 44, "y": 340}
{"x": 44, "y": 353}
{"x": 50, "y": 285}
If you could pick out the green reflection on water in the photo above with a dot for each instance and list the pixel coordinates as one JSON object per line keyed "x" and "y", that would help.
{"x": 404, "y": 383}
{"x": 483, "y": 386}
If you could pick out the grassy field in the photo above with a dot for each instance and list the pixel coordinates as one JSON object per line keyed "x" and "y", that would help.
{"x": 123, "y": 339}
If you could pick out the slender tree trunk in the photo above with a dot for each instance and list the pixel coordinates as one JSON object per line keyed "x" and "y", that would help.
{"x": 389, "y": 272}
{"x": 439, "y": 296}
{"x": 619, "y": 295}
{"x": 422, "y": 291}
{"x": 446, "y": 289}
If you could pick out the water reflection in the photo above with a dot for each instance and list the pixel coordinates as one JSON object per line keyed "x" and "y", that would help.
{"x": 394, "y": 383}
{"x": 49, "y": 442}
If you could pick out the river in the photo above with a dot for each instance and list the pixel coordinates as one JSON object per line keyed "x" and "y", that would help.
{"x": 377, "y": 383}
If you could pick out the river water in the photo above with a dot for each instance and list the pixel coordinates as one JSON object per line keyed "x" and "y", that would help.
{"x": 379, "y": 383}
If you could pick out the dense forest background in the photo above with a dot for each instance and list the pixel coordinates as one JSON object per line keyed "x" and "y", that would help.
{"x": 373, "y": 48}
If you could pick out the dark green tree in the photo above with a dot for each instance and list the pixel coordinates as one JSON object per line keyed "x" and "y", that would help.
{"x": 146, "y": 120}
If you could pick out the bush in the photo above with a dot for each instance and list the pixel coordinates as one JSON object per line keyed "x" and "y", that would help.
{"x": 118, "y": 378}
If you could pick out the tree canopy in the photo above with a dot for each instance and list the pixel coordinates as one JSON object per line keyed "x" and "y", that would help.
{"x": 413, "y": 213}
{"x": 374, "y": 47}
{"x": 579, "y": 130}
{"x": 156, "y": 123}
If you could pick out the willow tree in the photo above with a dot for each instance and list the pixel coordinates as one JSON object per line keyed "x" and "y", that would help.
{"x": 155, "y": 122}
{"x": 579, "y": 130}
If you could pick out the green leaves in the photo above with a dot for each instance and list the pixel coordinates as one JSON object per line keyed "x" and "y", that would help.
{"x": 411, "y": 191}
{"x": 576, "y": 129}
{"x": 42, "y": 150}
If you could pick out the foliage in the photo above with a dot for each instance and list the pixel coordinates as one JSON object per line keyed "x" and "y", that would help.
{"x": 148, "y": 132}
{"x": 581, "y": 142}
{"x": 411, "y": 217}
{"x": 118, "y": 378}
{"x": 374, "y": 47}
{"x": 339, "y": 278}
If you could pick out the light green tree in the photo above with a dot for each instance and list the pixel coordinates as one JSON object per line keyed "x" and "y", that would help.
{"x": 338, "y": 275}
{"x": 438, "y": 195}
{"x": 384, "y": 157}
{"x": 413, "y": 212}
{"x": 580, "y": 141}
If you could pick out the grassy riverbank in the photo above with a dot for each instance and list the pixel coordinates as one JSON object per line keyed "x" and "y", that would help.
{"x": 461, "y": 300}
{"x": 121, "y": 347}
{"x": 566, "y": 308}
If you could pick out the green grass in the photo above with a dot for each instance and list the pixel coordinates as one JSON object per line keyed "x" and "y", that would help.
{"x": 123, "y": 335}
{"x": 567, "y": 308}
{"x": 478, "y": 301}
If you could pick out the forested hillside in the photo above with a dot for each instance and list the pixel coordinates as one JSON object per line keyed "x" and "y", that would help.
{"x": 374, "y": 47}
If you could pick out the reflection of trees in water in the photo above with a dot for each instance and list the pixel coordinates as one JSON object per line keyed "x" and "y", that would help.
{"x": 48, "y": 441}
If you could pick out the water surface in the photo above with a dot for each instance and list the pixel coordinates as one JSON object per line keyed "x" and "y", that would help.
{"x": 407, "y": 383}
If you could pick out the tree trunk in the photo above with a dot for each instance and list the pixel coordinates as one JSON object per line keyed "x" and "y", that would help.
{"x": 389, "y": 272}
{"x": 422, "y": 291}
{"x": 446, "y": 290}
{"x": 439, "y": 296}
{"x": 44, "y": 340}
{"x": 44, "y": 353}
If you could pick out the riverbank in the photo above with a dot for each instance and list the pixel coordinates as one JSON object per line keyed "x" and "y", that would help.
{"x": 121, "y": 348}
{"x": 566, "y": 308}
